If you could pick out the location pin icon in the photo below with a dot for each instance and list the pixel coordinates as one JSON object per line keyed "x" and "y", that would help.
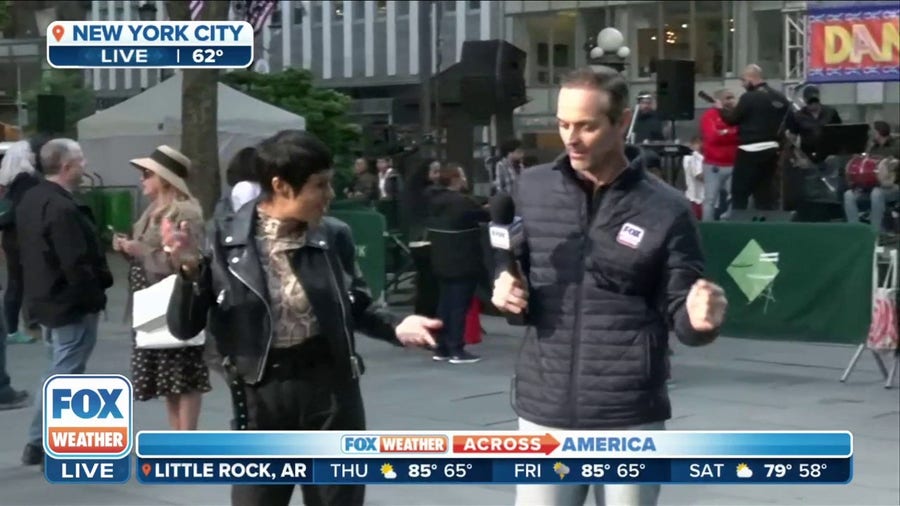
{"x": 146, "y": 469}
{"x": 58, "y": 31}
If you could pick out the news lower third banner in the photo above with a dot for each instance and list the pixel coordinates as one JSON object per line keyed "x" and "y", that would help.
{"x": 89, "y": 437}
{"x": 464, "y": 457}
{"x": 853, "y": 43}
{"x": 150, "y": 44}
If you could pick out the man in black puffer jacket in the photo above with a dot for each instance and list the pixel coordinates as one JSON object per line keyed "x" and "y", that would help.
{"x": 612, "y": 263}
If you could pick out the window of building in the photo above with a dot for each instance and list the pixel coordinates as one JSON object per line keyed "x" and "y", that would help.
{"x": 710, "y": 28}
{"x": 300, "y": 15}
{"x": 677, "y": 31}
{"x": 768, "y": 51}
{"x": 449, "y": 6}
{"x": 474, "y": 5}
{"x": 594, "y": 20}
{"x": 275, "y": 18}
{"x": 648, "y": 27}
{"x": 552, "y": 41}
{"x": 315, "y": 17}
{"x": 702, "y": 31}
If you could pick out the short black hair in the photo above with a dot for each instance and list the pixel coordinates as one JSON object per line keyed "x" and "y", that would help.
{"x": 882, "y": 128}
{"x": 242, "y": 167}
{"x": 292, "y": 156}
{"x": 606, "y": 79}
{"x": 509, "y": 146}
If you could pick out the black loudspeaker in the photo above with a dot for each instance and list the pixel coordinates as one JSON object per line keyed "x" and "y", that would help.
{"x": 493, "y": 77}
{"x": 51, "y": 114}
{"x": 675, "y": 89}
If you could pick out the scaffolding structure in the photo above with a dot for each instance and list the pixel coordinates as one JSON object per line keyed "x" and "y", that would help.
{"x": 795, "y": 46}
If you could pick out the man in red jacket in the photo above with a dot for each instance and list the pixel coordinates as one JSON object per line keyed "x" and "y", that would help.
{"x": 720, "y": 144}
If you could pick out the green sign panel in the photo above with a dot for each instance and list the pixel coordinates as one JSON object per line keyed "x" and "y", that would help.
{"x": 793, "y": 281}
{"x": 368, "y": 233}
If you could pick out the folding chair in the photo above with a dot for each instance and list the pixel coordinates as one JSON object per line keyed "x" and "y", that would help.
{"x": 888, "y": 256}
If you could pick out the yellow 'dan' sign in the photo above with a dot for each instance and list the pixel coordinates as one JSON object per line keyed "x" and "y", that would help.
{"x": 854, "y": 44}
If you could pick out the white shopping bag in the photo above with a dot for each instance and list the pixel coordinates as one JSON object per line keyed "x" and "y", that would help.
{"x": 149, "y": 318}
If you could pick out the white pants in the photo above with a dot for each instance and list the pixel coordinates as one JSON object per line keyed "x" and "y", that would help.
{"x": 575, "y": 495}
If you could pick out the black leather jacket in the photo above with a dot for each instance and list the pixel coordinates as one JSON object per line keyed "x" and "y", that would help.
{"x": 230, "y": 298}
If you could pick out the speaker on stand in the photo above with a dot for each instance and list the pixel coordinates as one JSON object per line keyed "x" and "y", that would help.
{"x": 51, "y": 114}
{"x": 675, "y": 91}
{"x": 491, "y": 86}
{"x": 493, "y": 77}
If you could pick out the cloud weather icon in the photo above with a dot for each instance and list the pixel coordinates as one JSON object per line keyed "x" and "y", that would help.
{"x": 388, "y": 472}
{"x": 744, "y": 471}
{"x": 561, "y": 469}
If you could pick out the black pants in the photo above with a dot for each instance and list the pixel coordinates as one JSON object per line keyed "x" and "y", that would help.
{"x": 15, "y": 287}
{"x": 426, "y": 297}
{"x": 454, "y": 301}
{"x": 299, "y": 394}
{"x": 754, "y": 174}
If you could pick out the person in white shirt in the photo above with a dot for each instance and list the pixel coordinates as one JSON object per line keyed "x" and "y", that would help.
{"x": 693, "y": 177}
{"x": 241, "y": 177}
{"x": 388, "y": 179}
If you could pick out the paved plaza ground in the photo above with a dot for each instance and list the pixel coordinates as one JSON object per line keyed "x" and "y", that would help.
{"x": 733, "y": 384}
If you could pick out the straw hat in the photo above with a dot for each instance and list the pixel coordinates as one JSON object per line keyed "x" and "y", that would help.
{"x": 169, "y": 164}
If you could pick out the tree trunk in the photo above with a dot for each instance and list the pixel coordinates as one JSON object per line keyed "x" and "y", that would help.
{"x": 199, "y": 114}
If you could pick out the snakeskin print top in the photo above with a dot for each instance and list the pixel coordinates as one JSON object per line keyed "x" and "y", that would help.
{"x": 294, "y": 318}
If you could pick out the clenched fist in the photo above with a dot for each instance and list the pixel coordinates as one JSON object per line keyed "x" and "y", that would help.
{"x": 706, "y": 305}
{"x": 510, "y": 295}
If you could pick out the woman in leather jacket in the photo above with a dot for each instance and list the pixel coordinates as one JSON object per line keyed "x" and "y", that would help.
{"x": 277, "y": 284}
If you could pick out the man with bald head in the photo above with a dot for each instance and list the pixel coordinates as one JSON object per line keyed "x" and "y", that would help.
{"x": 759, "y": 115}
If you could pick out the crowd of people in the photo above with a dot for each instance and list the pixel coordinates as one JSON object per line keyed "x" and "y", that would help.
{"x": 742, "y": 143}
{"x": 612, "y": 263}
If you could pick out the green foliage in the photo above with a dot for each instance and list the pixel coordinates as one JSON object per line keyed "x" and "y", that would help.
{"x": 325, "y": 111}
{"x": 4, "y": 14}
{"x": 70, "y": 84}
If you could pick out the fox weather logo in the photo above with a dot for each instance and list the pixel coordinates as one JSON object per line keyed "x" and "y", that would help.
{"x": 87, "y": 416}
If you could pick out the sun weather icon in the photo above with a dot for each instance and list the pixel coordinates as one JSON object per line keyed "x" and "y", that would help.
{"x": 744, "y": 471}
{"x": 561, "y": 469}
{"x": 387, "y": 470}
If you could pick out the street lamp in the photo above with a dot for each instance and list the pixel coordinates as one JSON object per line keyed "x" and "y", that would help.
{"x": 147, "y": 11}
{"x": 608, "y": 49}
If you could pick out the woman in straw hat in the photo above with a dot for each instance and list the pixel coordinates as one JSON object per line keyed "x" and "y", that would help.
{"x": 178, "y": 374}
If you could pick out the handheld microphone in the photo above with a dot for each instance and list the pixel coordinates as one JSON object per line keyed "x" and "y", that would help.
{"x": 507, "y": 236}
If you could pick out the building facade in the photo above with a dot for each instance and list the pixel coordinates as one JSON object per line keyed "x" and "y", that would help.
{"x": 720, "y": 36}
{"x": 371, "y": 50}
{"x": 375, "y": 50}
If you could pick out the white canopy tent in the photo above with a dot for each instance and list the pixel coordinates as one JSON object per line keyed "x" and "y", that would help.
{"x": 133, "y": 128}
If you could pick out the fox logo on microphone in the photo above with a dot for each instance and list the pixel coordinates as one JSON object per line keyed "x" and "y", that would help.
{"x": 507, "y": 237}
{"x": 87, "y": 415}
